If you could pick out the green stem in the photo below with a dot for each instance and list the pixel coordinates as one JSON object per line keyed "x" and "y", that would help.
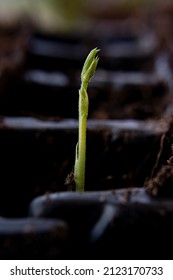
{"x": 86, "y": 75}
{"x": 79, "y": 170}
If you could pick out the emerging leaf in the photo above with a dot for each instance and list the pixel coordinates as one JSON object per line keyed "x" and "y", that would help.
{"x": 89, "y": 67}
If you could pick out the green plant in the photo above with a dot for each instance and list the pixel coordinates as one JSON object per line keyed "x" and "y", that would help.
{"x": 87, "y": 73}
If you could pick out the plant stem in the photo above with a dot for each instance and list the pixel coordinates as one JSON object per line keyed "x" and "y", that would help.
{"x": 79, "y": 171}
{"x": 87, "y": 73}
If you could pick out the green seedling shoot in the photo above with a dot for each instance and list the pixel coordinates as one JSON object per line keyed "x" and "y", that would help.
{"x": 87, "y": 73}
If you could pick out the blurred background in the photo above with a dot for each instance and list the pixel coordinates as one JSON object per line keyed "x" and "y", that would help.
{"x": 53, "y": 15}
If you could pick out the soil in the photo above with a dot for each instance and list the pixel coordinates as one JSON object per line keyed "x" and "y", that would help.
{"x": 161, "y": 181}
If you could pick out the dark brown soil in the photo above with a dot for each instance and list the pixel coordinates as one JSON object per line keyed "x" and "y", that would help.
{"x": 160, "y": 184}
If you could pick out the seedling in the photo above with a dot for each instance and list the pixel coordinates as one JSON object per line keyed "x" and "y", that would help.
{"x": 87, "y": 73}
